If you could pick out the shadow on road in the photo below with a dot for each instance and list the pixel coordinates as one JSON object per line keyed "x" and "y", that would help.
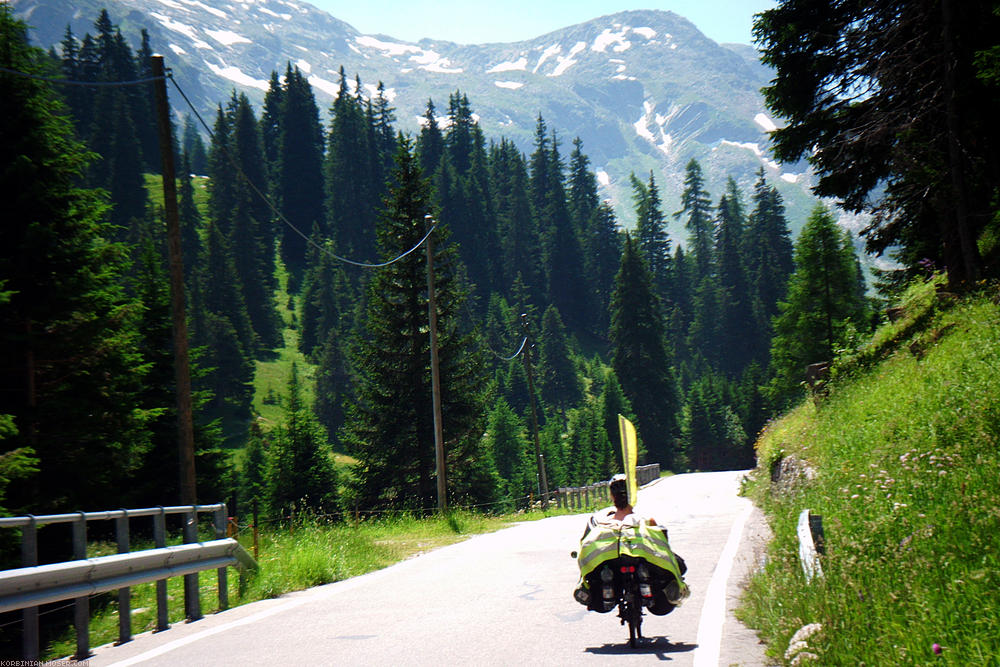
{"x": 658, "y": 646}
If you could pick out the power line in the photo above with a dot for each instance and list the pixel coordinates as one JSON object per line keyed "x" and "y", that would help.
{"x": 70, "y": 82}
{"x": 274, "y": 208}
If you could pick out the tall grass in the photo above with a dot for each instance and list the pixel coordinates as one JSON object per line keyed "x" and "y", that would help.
{"x": 906, "y": 455}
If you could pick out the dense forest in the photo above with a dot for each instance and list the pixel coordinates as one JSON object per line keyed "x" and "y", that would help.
{"x": 697, "y": 340}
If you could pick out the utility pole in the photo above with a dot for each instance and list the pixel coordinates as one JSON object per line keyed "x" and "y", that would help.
{"x": 182, "y": 369}
{"x": 534, "y": 415}
{"x": 432, "y": 317}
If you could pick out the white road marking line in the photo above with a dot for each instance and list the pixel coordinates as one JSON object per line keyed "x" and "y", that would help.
{"x": 713, "y": 612}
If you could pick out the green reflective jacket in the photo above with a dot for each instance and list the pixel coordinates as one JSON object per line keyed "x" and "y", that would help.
{"x": 607, "y": 539}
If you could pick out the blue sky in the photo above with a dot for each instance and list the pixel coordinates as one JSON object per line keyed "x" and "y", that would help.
{"x": 475, "y": 22}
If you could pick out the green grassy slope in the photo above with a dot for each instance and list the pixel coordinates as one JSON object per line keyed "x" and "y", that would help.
{"x": 903, "y": 463}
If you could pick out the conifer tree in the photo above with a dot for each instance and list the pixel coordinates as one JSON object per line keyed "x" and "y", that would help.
{"x": 640, "y": 356}
{"x": 519, "y": 244}
{"x": 696, "y": 204}
{"x": 603, "y": 250}
{"x": 557, "y": 376}
{"x": 348, "y": 172}
{"x": 300, "y": 473}
{"x": 249, "y": 234}
{"x": 189, "y": 218}
{"x": 737, "y": 317}
{"x": 270, "y": 128}
{"x": 299, "y": 173}
{"x": 389, "y": 426}
{"x": 767, "y": 251}
{"x": 430, "y": 144}
{"x": 193, "y": 146}
{"x": 651, "y": 231}
{"x": 69, "y": 354}
{"x": 561, "y": 252}
{"x": 614, "y": 403}
{"x": 224, "y": 328}
{"x": 822, "y": 298}
{"x": 508, "y": 439}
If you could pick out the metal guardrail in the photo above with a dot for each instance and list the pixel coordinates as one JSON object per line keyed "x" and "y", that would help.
{"x": 33, "y": 585}
{"x": 579, "y": 497}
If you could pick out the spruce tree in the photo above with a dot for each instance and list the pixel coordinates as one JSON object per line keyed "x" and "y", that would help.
{"x": 767, "y": 251}
{"x": 822, "y": 298}
{"x": 737, "y": 317}
{"x": 640, "y": 356}
{"x": 389, "y": 426}
{"x": 300, "y": 475}
{"x": 70, "y": 355}
{"x": 695, "y": 203}
{"x": 430, "y": 144}
{"x": 651, "y": 231}
{"x": 249, "y": 236}
{"x": 351, "y": 192}
{"x": 507, "y": 437}
{"x": 193, "y": 146}
{"x": 299, "y": 173}
{"x": 557, "y": 375}
{"x": 519, "y": 243}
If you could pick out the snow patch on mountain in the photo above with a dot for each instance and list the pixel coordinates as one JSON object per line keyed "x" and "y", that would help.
{"x": 178, "y": 50}
{"x": 227, "y": 37}
{"x": 565, "y": 62}
{"x": 430, "y": 61}
{"x": 765, "y": 123}
{"x": 328, "y": 87}
{"x": 236, "y": 75}
{"x": 265, "y": 10}
{"x": 304, "y": 66}
{"x": 662, "y": 140}
{"x": 388, "y": 93}
{"x": 510, "y": 85}
{"x": 546, "y": 54}
{"x": 182, "y": 28}
{"x": 520, "y": 64}
{"x": 754, "y": 148}
{"x": 388, "y": 49}
{"x": 602, "y": 177}
{"x": 608, "y": 37}
{"x": 648, "y": 33}
{"x": 211, "y": 10}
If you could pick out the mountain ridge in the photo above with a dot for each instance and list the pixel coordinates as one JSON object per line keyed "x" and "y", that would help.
{"x": 645, "y": 90}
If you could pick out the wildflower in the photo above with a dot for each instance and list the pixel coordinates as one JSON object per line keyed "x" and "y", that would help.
{"x": 805, "y": 632}
{"x": 936, "y": 648}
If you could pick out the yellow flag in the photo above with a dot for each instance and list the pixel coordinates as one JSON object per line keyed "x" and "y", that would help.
{"x": 630, "y": 452}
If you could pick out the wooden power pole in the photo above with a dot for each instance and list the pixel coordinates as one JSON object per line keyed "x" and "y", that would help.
{"x": 540, "y": 460}
{"x": 442, "y": 489}
{"x": 182, "y": 369}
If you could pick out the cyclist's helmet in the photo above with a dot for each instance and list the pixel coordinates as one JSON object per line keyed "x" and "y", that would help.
{"x": 619, "y": 485}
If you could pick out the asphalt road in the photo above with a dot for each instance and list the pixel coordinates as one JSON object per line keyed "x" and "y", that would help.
{"x": 499, "y": 599}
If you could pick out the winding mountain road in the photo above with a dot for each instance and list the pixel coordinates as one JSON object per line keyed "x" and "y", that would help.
{"x": 503, "y": 598}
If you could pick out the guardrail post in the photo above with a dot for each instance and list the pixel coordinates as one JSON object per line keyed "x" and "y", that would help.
{"x": 192, "y": 599}
{"x": 124, "y": 594}
{"x": 586, "y": 496}
{"x": 256, "y": 518}
{"x": 29, "y": 558}
{"x": 160, "y": 539}
{"x": 220, "y": 532}
{"x": 81, "y": 606}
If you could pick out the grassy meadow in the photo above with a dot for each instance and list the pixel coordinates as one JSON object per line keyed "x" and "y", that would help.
{"x": 901, "y": 459}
